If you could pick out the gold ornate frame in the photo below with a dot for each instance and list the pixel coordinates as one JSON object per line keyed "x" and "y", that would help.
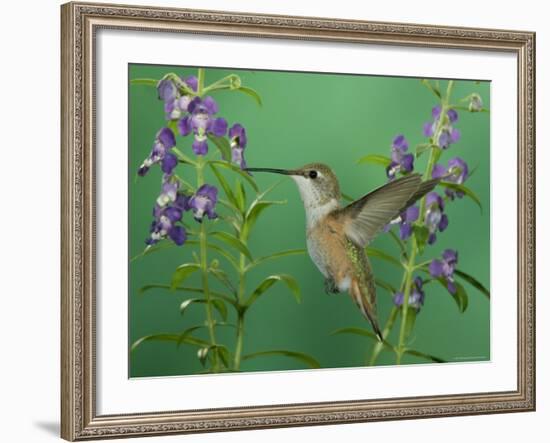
{"x": 79, "y": 22}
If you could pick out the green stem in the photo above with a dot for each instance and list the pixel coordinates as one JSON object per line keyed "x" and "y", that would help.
{"x": 379, "y": 345}
{"x": 421, "y": 265}
{"x": 405, "y": 306}
{"x": 204, "y": 271}
{"x": 239, "y": 345}
{"x": 200, "y": 82}
{"x": 219, "y": 84}
{"x": 241, "y": 313}
{"x": 411, "y": 266}
{"x": 181, "y": 156}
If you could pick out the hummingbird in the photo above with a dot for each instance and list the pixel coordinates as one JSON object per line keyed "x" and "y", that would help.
{"x": 338, "y": 235}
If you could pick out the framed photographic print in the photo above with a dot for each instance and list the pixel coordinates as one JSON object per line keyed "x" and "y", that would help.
{"x": 283, "y": 221}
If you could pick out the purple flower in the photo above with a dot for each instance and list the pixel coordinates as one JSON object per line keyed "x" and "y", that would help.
{"x": 456, "y": 172}
{"x": 204, "y": 202}
{"x": 164, "y": 141}
{"x": 166, "y": 90}
{"x": 416, "y": 297}
{"x": 448, "y": 134}
{"x": 238, "y": 140}
{"x": 168, "y": 210}
{"x": 165, "y": 226}
{"x": 400, "y": 160}
{"x": 405, "y": 221}
{"x": 175, "y": 108}
{"x": 169, "y": 191}
{"x": 445, "y": 268}
{"x": 453, "y": 115}
{"x": 182, "y": 202}
{"x": 202, "y": 122}
{"x": 175, "y": 102}
{"x": 192, "y": 81}
{"x": 435, "y": 219}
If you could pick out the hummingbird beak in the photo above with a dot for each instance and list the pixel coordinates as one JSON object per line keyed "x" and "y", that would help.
{"x": 273, "y": 170}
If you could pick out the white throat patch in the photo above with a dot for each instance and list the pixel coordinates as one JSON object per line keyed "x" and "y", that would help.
{"x": 316, "y": 213}
{"x": 311, "y": 196}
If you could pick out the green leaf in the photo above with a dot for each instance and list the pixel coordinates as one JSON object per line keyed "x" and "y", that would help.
{"x": 385, "y": 285}
{"x": 223, "y": 146}
{"x": 238, "y": 170}
{"x": 187, "y": 338}
{"x": 226, "y": 188}
{"x": 182, "y": 272}
{"x": 233, "y": 220}
{"x": 378, "y": 253}
{"x": 224, "y": 253}
{"x": 144, "y": 81}
{"x": 411, "y": 320}
{"x": 155, "y": 337}
{"x": 375, "y": 159}
{"x": 217, "y": 303}
{"x": 460, "y": 297}
{"x": 424, "y": 355}
{"x": 223, "y": 352}
{"x": 251, "y": 93}
{"x": 220, "y": 307}
{"x": 220, "y": 350}
{"x": 363, "y": 333}
{"x": 240, "y": 195}
{"x": 423, "y": 147}
{"x": 290, "y": 282}
{"x": 274, "y": 256}
{"x": 219, "y": 295}
{"x": 153, "y": 248}
{"x": 182, "y": 157}
{"x": 475, "y": 283}
{"x": 232, "y": 241}
{"x": 253, "y": 213}
{"x": 467, "y": 108}
{"x": 300, "y": 356}
{"x": 223, "y": 278}
{"x": 467, "y": 191}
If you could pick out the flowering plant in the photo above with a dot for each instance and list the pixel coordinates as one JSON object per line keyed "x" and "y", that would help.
{"x": 190, "y": 212}
{"x": 420, "y": 225}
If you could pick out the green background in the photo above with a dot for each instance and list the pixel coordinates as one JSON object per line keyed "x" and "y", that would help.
{"x": 307, "y": 117}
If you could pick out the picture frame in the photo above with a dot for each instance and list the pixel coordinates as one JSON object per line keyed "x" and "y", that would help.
{"x": 81, "y": 22}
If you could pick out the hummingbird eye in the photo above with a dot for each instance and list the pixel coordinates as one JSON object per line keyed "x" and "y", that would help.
{"x": 312, "y": 174}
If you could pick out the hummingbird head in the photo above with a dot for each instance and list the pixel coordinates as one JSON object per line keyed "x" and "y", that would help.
{"x": 316, "y": 182}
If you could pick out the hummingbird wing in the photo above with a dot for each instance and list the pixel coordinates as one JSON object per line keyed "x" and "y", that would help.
{"x": 365, "y": 217}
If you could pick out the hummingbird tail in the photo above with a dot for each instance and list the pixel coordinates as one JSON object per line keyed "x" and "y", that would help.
{"x": 377, "y": 331}
{"x": 375, "y": 326}
{"x": 367, "y": 308}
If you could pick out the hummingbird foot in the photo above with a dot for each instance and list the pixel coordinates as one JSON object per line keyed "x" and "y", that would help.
{"x": 330, "y": 286}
